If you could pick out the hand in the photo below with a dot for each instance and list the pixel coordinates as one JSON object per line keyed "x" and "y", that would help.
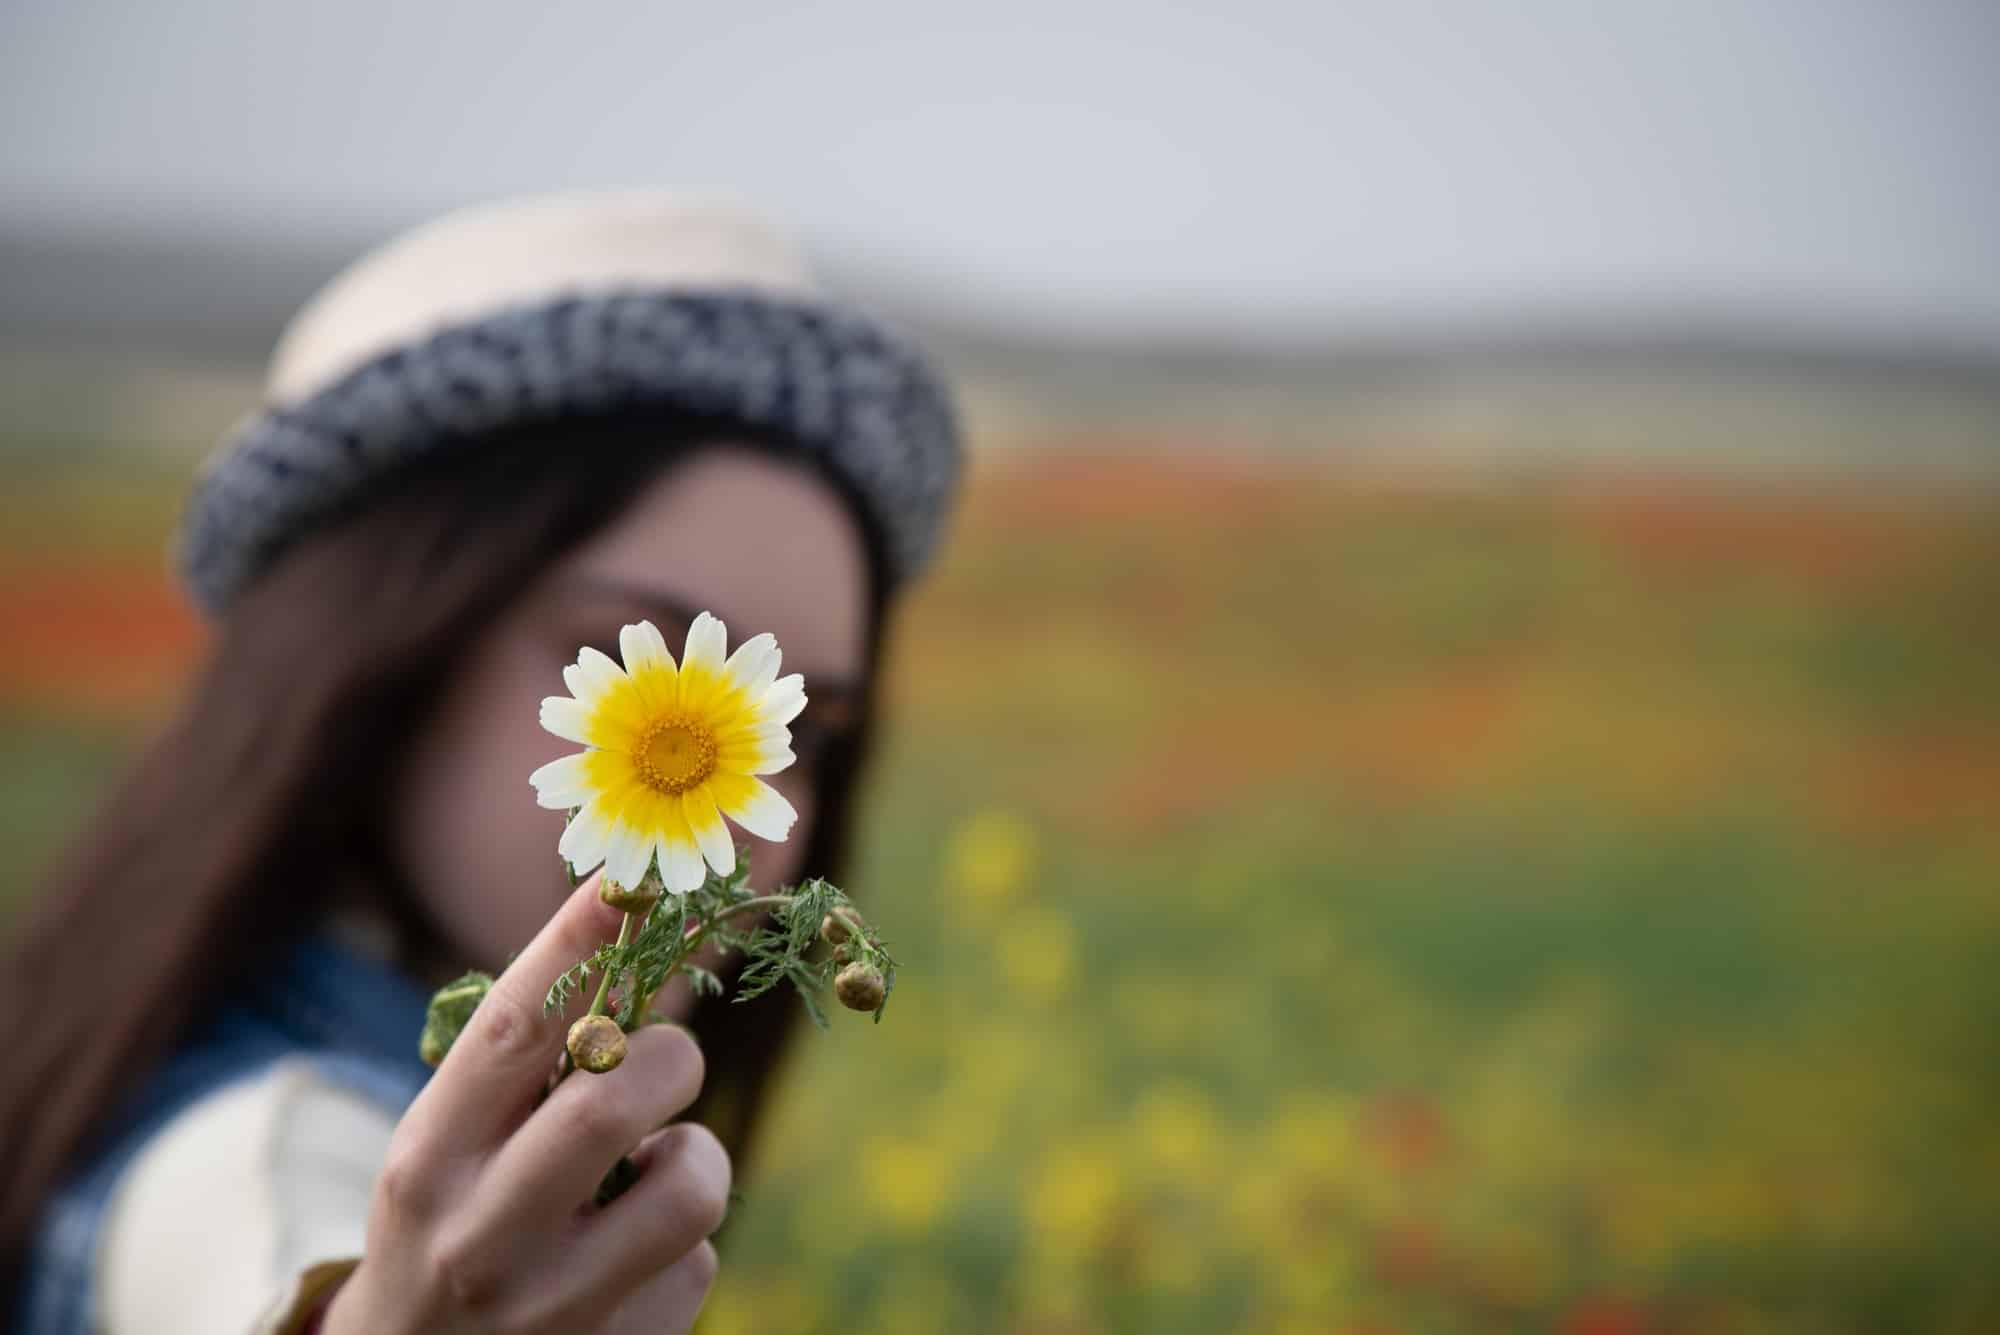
{"x": 481, "y": 1219}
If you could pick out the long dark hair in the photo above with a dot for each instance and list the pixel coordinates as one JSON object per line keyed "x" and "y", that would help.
{"x": 232, "y": 832}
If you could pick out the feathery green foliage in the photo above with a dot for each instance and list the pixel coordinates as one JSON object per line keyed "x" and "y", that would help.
{"x": 777, "y": 934}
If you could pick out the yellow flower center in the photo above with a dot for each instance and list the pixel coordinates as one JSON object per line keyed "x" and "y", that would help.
{"x": 674, "y": 754}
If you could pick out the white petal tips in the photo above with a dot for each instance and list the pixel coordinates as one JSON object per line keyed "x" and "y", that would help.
{"x": 761, "y": 810}
{"x": 585, "y": 837}
{"x": 566, "y": 718}
{"x": 563, "y": 784}
{"x": 709, "y": 831}
{"x": 592, "y": 675}
{"x": 629, "y": 854}
{"x": 783, "y": 702}
{"x": 754, "y": 665}
{"x": 707, "y": 640}
{"x": 680, "y": 863}
{"x": 643, "y": 647}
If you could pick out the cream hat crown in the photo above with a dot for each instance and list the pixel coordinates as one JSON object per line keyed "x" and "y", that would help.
{"x": 467, "y": 265}
{"x": 550, "y": 308}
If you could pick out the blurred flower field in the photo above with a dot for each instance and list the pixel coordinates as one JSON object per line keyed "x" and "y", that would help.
{"x": 1546, "y": 907}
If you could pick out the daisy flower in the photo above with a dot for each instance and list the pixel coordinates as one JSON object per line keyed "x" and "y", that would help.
{"x": 673, "y": 748}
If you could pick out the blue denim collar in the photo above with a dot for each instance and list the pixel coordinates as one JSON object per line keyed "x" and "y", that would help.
{"x": 352, "y": 1016}
{"x": 332, "y": 997}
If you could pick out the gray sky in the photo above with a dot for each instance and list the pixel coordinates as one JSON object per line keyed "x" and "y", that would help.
{"x": 1261, "y": 164}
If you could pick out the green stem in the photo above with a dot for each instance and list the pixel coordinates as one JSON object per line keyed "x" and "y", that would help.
{"x": 563, "y": 1064}
{"x": 852, "y": 921}
{"x": 604, "y": 982}
{"x": 848, "y": 917}
{"x": 762, "y": 902}
{"x": 757, "y": 905}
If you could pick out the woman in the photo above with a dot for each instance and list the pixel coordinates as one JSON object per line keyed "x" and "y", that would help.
{"x": 500, "y": 438}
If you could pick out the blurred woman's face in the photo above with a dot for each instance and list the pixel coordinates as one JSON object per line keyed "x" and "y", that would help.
{"x": 764, "y": 546}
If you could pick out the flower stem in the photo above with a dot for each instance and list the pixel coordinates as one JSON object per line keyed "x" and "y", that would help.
{"x": 604, "y": 982}
{"x": 761, "y": 903}
{"x": 563, "y": 1064}
{"x": 756, "y": 905}
{"x": 848, "y": 917}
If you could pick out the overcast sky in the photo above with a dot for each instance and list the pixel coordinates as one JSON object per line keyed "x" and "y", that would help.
{"x": 1261, "y": 163}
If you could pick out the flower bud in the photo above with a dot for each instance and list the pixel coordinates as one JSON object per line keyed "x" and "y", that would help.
{"x": 596, "y": 1044}
{"x": 450, "y": 1010}
{"x": 833, "y": 930}
{"x": 860, "y": 987}
{"x": 639, "y": 899}
{"x": 843, "y": 954}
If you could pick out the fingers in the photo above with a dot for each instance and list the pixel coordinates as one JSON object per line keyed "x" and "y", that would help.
{"x": 500, "y": 1063}
{"x": 669, "y": 1302}
{"x": 554, "y": 1162}
{"x": 680, "y": 1198}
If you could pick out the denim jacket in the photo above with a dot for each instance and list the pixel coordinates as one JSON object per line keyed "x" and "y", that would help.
{"x": 355, "y": 1019}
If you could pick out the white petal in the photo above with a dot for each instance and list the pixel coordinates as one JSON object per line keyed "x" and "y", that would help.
{"x": 566, "y": 718}
{"x": 630, "y": 853}
{"x": 585, "y": 837}
{"x": 593, "y": 674}
{"x": 764, "y": 750}
{"x": 782, "y": 703}
{"x": 709, "y": 831}
{"x": 754, "y": 665}
{"x": 562, "y": 784}
{"x": 762, "y": 811}
{"x": 642, "y": 646}
{"x": 706, "y": 641}
{"x": 680, "y": 864}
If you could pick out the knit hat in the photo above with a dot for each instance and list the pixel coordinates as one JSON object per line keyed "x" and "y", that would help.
{"x": 536, "y": 310}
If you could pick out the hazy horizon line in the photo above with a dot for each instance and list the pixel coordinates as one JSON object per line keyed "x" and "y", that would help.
{"x": 113, "y": 277}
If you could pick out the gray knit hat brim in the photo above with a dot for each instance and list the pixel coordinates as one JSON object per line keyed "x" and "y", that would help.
{"x": 832, "y": 384}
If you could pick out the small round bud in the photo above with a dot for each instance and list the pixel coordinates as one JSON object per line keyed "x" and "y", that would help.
{"x": 860, "y": 987}
{"x": 843, "y": 954}
{"x": 449, "y": 1011}
{"x": 636, "y": 900}
{"x": 596, "y": 1044}
{"x": 832, "y": 930}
